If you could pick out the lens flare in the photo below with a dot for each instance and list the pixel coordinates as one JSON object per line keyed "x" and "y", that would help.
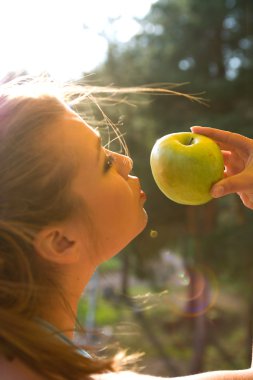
{"x": 192, "y": 292}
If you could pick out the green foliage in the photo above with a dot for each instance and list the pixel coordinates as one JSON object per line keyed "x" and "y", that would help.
{"x": 210, "y": 45}
{"x": 106, "y": 313}
{"x": 111, "y": 266}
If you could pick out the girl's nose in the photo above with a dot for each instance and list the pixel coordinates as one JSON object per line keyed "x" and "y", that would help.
{"x": 124, "y": 164}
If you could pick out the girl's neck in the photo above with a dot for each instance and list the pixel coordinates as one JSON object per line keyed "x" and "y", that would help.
{"x": 61, "y": 316}
{"x": 60, "y": 310}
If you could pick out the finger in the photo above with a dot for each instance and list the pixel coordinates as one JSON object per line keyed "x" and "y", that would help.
{"x": 231, "y": 139}
{"x": 226, "y": 156}
{"x": 246, "y": 200}
{"x": 233, "y": 184}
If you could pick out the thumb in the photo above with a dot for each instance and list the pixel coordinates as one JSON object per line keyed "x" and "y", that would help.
{"x": 233, "y": 184}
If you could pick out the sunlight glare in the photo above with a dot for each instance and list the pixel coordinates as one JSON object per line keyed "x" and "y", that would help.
{"x": 62, "y": 37}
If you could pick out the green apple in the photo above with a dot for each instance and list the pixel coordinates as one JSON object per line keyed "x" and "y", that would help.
{"x": 185, "y": 165}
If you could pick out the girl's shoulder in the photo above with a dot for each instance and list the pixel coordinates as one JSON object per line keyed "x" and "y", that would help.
{"x": 16, "y": 370}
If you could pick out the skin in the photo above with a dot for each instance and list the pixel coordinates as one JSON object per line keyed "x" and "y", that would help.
{"x": 217, "y": 375}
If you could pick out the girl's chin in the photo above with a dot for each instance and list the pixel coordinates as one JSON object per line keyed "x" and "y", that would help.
{"x": 143, "y": 223}
{"x": 145, "y": 219}
{"x": 117, "y": 249}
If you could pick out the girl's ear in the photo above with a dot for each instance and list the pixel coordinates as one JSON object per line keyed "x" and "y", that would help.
{"x": 58, "y": 245}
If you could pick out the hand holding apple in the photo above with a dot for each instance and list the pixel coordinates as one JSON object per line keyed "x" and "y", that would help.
{"x": 185, "y": 165}
{"x": 238, "y": 159}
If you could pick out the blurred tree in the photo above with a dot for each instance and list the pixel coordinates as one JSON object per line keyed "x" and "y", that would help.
{"x": 209, "y": 44}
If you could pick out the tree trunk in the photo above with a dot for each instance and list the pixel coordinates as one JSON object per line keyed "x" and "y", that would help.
{"x": 200, "y": 221}
{"x": 125, "y": 275}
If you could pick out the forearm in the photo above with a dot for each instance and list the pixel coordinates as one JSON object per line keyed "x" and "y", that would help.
{"x": 216, "y": 375}
{"x": 220, "y": 375}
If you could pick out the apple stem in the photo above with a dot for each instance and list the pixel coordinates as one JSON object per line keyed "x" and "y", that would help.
{"x": 191, "y": 140}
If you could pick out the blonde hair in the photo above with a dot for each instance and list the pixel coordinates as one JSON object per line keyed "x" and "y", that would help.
{"x": 33, "y": 194}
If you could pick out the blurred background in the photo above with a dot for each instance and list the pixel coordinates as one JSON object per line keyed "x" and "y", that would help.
{"x": 182, "y": 291}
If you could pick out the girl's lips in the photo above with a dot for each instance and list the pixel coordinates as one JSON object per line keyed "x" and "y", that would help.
{"x": 143, "y": 195}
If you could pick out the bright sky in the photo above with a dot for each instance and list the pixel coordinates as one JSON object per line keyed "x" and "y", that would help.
{"x": 64, "y": 37}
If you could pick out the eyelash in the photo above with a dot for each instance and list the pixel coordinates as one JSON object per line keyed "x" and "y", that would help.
{"x": 108, "y": 162}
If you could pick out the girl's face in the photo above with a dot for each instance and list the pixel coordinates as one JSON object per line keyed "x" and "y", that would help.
{"x": 113, "y": 198}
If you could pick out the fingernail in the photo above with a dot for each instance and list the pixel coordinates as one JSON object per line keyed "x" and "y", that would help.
{"x": 217, "y": 191}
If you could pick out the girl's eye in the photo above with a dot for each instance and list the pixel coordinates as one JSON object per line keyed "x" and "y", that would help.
{"x": 108, "y": 162}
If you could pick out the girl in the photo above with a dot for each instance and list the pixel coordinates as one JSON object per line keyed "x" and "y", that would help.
{"x": 65, "y": 207}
